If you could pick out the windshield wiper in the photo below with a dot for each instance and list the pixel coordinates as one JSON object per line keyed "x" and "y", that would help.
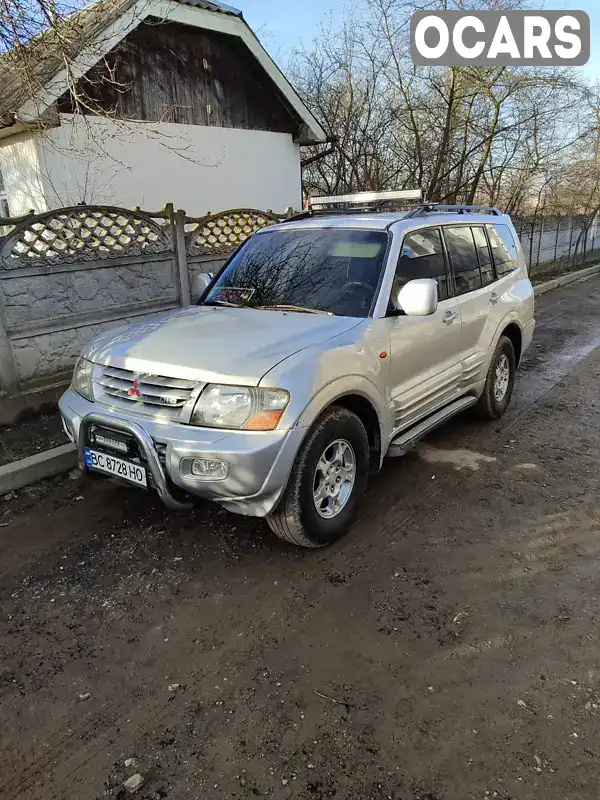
{"x": 284, "y": 307}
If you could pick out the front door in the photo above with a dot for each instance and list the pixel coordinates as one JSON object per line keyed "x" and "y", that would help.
{"x": 425, "y": 351}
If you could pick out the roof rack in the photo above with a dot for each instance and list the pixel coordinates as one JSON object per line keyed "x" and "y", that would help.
{"x": 336, "y": 212}
{"x": 439, "y": 208}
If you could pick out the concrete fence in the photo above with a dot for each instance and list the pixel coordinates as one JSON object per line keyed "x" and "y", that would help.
{"x": 69, "y": 274}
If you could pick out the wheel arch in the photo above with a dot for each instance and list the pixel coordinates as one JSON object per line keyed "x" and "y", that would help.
{"x": 513, "y": 332}
{"x": 362, "y": 398}
{"x": 367, "y": 414}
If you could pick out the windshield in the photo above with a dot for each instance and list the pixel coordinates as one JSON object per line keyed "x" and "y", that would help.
{"x": 326, "y": 270}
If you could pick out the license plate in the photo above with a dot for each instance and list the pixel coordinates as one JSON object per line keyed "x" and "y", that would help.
{"x": 115, "y": 466}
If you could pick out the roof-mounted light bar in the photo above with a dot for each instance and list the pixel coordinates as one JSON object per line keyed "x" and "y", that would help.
{"x": 364, "y": 198}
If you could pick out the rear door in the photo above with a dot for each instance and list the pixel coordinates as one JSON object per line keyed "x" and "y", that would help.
{"x": 474, "y": 278}
{"x": 425, "y": 367}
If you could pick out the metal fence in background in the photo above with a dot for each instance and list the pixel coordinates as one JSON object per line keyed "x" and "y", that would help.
{"x": 566, "y": 241}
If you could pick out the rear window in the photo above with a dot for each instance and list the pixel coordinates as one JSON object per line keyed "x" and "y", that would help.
{"x": 483, "y": 253}
{"x": 504, "y": 249}
{"x": 463, "y": 257}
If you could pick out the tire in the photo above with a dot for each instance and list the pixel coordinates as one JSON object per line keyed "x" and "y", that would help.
{"x": 296, "y": 519}
{"x": 491, "y": 405}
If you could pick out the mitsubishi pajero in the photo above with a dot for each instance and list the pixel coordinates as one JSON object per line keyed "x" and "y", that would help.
{"x": 324, "y": 344}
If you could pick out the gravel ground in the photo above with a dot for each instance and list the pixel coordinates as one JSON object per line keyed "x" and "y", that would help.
{"x": 31, "y": 436}
{"x": 447, "y": 649}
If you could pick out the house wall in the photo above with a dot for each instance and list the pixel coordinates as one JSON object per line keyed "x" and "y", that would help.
{"x": 198, "y": 168}
{"x": 20, "y": 167}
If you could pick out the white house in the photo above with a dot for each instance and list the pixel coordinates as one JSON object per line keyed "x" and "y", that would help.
{"x": 181, "y": 104}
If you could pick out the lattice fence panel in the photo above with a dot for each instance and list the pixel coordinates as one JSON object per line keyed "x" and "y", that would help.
{"x": 222, "y": 233}
{"x": 90, "y": 233}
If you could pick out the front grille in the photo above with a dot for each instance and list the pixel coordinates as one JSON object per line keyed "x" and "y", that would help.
{"x": 142, "y": 387}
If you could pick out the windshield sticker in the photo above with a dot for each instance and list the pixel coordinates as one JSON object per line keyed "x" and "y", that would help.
{"x": 356, "y": 249}
{"x": 232, "y": 294}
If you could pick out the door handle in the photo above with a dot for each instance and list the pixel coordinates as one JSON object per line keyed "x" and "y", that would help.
{"x": 449, "y": 317}
{"x": 494, "y": 298}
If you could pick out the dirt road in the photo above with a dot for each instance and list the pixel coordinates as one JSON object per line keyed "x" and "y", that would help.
{"x": 448, "y": 649}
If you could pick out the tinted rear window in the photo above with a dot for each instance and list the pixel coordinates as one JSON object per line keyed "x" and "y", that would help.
{"x": 483, "y": 252}
{"x": 463, "y": 257}
{"x": 504, "y": 249}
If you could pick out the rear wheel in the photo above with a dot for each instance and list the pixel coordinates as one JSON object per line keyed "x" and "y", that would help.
{"x": 326, "y": 483}
{"x": 499, "y": 382}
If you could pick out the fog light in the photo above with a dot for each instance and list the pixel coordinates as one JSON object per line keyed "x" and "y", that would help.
{"x": 210, "y": 469}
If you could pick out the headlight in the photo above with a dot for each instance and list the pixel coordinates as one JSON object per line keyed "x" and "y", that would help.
{"x": 240, "y": 407}
{"x": 82, "y": 379}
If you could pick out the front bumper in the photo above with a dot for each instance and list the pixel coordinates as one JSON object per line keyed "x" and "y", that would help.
{"x": 259, "y": 463}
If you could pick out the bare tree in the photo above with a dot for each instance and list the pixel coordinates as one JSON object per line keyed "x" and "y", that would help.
{"x": 50, "y": 42}
{"x": 462, "y": 134}
{"x": 40, "y": 38}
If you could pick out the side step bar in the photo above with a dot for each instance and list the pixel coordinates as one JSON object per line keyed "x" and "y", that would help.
{"x": 407, "y": 440}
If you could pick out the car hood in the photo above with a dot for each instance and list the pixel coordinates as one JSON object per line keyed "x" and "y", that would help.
{"x": 212, "y": 344}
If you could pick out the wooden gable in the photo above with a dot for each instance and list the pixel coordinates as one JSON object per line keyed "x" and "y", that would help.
{"x": 169, "y": 72}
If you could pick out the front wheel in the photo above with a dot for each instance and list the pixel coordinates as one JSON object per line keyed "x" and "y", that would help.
{"x": 499, "y": 382}
{"x": 326, "y": 483}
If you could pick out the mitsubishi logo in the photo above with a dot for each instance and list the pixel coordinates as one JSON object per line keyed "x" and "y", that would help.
{"x": 134, "y": 391}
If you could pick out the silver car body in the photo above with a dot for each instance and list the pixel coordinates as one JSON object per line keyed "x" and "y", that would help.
{"x": 401, "y": 368}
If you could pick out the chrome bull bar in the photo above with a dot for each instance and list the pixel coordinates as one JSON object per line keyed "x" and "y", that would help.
{"x": 146, "y": 446}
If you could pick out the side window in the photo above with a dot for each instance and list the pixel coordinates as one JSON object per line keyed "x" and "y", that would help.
{"x": 483, "y": 253}
{"x": 422, "y": 256}
{"x": 463, "y": 257}
{"x": 504, "y": 249}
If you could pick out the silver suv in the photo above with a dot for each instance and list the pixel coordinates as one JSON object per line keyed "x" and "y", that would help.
{"x": 323, "y": 345}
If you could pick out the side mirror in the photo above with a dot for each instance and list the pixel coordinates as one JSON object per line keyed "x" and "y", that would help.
{"x": 200, "y": 282}
{"x": 418, "y": 298}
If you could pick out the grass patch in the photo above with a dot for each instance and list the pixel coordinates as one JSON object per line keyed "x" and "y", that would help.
{"x": 558, "y": 268}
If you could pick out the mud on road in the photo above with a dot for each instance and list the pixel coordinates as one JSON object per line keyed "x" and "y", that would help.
{"x": 447, "y": 649}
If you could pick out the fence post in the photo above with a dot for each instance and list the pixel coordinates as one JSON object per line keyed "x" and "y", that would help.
{"x": 9, "y": 377}
{"x": 531, "y": 237}
{"x": 541, "y": 234}
{"x": 571, "y": 236}
{"x": 557, "y": 235}
{"x": 177, "y": 220}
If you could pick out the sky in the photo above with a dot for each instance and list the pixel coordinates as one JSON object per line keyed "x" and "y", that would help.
{"x": 283, "y": 25}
